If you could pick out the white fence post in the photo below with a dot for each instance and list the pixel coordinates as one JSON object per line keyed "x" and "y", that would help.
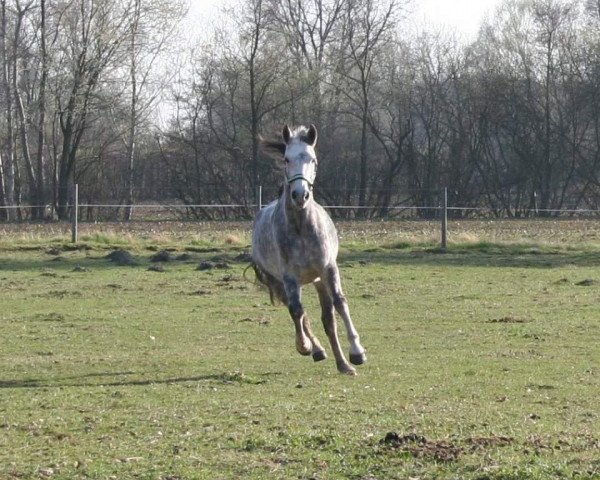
{"x": 260, "y": 197}
{"x": 75, "y": 215}
{"x": 445, "y": 219}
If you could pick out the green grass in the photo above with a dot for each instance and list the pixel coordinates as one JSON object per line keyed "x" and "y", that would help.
{"x": 483, "y": 361}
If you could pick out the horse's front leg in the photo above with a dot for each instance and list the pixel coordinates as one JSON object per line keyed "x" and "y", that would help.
{"x": 328, "y": 318}
{"x": 334, "y": 285}
{"x": 293, "y": 292}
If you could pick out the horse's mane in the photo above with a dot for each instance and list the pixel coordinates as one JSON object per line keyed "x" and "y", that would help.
{"x": 273, "y": 148}
{"x": 276, "y": 147}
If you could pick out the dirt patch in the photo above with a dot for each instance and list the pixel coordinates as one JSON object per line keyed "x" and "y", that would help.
{"x": 262, "y": 322}
{"x": 49, "y": 317}
{"x": 121, "y": 258}
{"x": 577, "y": 443}
{"x": 483, "y": 443}
{"x": 200, "y": 292}
{"x": 60, "y": 294}
{"x": 208, "y": 265}
{"x": 588, "y": 282}
{"x": 444, "y": 451}
{"x": 419, "y": 447}
{"x": 156, "y": 268}
{"x": 162, "y": 256}
{"x": 243, "y": 258}
{"x": 507, "y": 319}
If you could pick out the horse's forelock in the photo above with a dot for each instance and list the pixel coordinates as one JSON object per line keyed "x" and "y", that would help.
{"x": 301, "y": 133}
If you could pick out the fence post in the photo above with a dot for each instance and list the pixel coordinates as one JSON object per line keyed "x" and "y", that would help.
{"x": 445, "y": 220}
{"x": 75, "y": 215}
{"x": 259, "y": 198}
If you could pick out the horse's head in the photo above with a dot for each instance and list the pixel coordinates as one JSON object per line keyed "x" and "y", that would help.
{"x": 300, "y": 163}
{"x": 298, "y": 150}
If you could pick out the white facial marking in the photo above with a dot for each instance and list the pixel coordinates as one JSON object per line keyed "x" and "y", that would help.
{"x": 301, "y": 171}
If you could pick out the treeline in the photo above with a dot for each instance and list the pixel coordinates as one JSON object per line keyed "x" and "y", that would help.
{"x": 96, "y": 93}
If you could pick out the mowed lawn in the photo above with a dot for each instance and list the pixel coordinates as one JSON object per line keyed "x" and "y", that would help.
{"x": 483, "y": 362}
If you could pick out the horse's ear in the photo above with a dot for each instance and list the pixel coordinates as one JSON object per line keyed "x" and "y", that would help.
{"x": 287, "y": 133}
{"x": 312, "y": 135}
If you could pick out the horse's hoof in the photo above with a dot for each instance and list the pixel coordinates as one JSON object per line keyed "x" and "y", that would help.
{"x": 304, "y": 349}
{"x": 346, "y": 369}
{"x": 357, "y": 358}
{"x": 319, "y": 355}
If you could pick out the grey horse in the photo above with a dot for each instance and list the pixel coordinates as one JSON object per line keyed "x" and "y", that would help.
{"x": 295, "y": 242}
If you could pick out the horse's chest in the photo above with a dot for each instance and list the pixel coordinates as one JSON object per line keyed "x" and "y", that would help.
{"x": 305, "y": 251}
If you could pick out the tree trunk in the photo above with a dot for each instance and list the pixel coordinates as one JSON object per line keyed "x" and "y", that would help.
{"x": 254, "y": 107}
{"x": 40, "y": 193}
{"x": 65, "y": 172}
{"x": 132, "y": 114}
{"x": 22, "y": 121}
{"x": 362, "y": 194}
{"x": 8, "y": 165}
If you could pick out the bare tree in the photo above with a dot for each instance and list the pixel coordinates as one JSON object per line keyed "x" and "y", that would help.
{"x": 95, "y": 33}
{"x": 550, "y": 18}
{"x": 367, "y": 28}
{"x": 311, "y": 30}
{"x": 151, "y": 27}
{"x": 21, "y": 10}
{"x": 390, "y": 119}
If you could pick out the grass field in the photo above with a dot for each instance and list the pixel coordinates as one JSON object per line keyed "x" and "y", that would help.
{"x": 483, "y": 362}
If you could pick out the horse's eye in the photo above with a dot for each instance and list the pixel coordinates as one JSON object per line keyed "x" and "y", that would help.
{"x": 287, "y": 160}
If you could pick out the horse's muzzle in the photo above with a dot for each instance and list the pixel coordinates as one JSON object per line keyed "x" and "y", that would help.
{"x": 300, "y": 197}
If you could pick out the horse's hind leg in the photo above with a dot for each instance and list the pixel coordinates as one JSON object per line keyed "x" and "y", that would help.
{"x": 334, "y": 285}
{"x": 328, "y": 319}
{"x": 318, "y": 352}
{"x": 292, "y": 291}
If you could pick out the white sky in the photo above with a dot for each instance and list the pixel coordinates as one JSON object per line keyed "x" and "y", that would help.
{"x": 464, "y": 16}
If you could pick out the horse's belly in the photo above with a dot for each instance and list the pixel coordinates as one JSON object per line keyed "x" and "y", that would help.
{"x": 306, "y": 269}
{"x": 272, "y": 261}
{"x": 309, "y": 277}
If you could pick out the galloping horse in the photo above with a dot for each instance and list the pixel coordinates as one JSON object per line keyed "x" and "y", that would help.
{"x": 295, "y": 242}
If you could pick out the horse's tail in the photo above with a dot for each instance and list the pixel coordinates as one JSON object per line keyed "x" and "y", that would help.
{"x": 251, "y": 265}
{"x": 266, "y": 280}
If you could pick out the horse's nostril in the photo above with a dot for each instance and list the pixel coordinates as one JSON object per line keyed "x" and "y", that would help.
{"x": 294, "y": 194}
{"x": 306, "y": 195}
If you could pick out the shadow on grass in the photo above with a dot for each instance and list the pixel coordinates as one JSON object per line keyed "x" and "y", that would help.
{"x": 62, "y": 264}
{"x": 227, "y": 378}
{"x": 481, "y": 254}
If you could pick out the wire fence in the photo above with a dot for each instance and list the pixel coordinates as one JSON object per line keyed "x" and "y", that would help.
{"x": 438, "y": 210}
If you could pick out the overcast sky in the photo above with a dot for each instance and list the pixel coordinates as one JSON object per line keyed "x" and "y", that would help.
{"x": 464, "y": 16}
